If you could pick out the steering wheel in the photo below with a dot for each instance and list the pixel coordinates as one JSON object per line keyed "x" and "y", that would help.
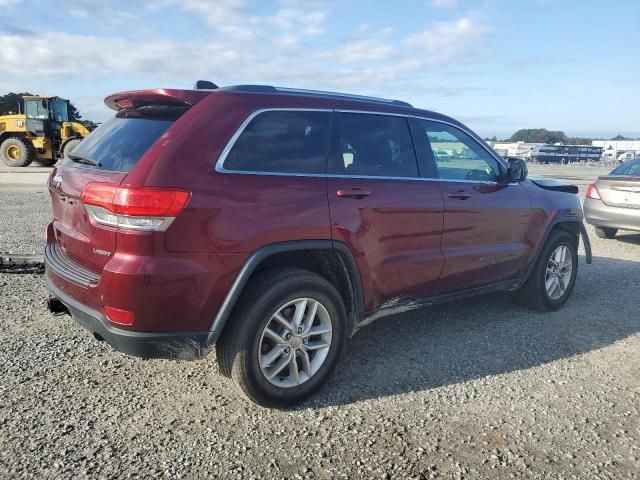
{"x": 479, "y": 176}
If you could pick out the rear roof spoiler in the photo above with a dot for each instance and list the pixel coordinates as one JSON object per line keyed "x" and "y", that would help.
{"x": 137, "y": 98}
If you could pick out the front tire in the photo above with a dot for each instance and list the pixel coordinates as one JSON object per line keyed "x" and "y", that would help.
{"x": 69, "y": 146}
{"x": 604, "y": 232}
{"x": 554, "y": 275}
{"x": 284, "y": 337}
{"x": 16, "y": 152}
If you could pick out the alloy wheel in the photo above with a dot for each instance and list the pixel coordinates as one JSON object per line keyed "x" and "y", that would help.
{"x": 558, "y": 272}
{"x": 295, "y": 342}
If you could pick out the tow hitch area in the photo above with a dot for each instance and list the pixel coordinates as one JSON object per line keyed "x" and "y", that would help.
{"x": 56, "y": 306}
{"x": 10, "y": 263}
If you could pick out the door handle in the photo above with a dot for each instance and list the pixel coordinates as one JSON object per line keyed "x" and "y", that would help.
{"x": 460, "y": 195}
{"x": 356, "y": 193}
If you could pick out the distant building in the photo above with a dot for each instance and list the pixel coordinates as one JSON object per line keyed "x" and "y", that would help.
{"x": 565, "y": 153}
{"x": 514, "y": 149}
{"x": 618, "y": 149}
{"x": 541, "y": 152}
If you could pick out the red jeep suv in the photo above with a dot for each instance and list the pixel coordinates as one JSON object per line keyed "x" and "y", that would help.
{"x": 274, "y": 223}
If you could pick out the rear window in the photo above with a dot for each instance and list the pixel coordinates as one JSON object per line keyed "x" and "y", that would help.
{"x": 119, "y": 143}
{"x": 631, "y": 168}
{"x": 283, "y": 142}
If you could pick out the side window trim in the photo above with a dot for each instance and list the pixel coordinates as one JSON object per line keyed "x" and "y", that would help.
{"x": 432, "y": 165}
{"x": 220, "y": 168}
{"x": 424, "y": 153}
{"x": 219, "y": 165}
{"x": 475, "y": 137}
{"x": 335, "y": 155}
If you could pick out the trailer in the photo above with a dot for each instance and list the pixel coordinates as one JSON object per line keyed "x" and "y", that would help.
{"x": 565, "y": 153}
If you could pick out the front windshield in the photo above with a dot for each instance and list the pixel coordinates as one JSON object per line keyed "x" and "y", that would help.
{"x": 59, "y": 110}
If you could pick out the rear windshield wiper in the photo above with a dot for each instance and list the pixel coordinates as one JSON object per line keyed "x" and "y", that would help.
{"x": 79, "y": 158}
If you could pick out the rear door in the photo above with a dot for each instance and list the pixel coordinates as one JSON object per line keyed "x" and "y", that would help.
{"x": 485, "y": 220}
{"x": 106, "y": 155}
{"x": 389, "y": 217}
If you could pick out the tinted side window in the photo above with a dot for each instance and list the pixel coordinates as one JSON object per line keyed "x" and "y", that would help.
{"x": 458, "y": 156}
{"x": 283, "y": 142}
{"x": 375, "y": 145}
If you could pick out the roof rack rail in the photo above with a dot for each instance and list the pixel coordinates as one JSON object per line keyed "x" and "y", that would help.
{"x": 319, "y": 93}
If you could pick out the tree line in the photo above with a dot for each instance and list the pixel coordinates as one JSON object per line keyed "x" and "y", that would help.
{"x": 550, "y": 137}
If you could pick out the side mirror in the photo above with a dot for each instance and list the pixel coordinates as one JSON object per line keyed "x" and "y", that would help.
{"x": 518, "y": 169}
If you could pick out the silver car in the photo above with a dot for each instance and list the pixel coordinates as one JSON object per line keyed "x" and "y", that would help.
{"x": 612, "y": 203}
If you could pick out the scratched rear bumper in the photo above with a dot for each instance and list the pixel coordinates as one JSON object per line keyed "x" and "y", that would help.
{"x": 177, "y": 345}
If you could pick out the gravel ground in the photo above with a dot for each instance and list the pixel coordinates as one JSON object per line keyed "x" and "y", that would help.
{"x": 478, "y": 389}
{"x": 25, "y": 211}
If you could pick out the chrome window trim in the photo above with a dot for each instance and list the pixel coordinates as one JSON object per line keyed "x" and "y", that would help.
{"x": 482, "y": 143}
{"x": 219, "y": 166}
{"x": 223, "y": 156}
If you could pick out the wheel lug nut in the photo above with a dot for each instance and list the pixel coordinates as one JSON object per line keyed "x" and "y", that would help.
{"x": 288, "y": 336}
{"x": 305, "y": 340}
{"x": 287, "y": 350}
{"x": 299, "y": 329}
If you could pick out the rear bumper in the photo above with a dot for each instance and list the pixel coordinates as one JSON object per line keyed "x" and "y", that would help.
{"x": 599, "y": 214}
{"x": 178, "y": 345}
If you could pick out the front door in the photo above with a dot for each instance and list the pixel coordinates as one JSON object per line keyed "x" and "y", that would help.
{"x": 486, "y": 218}
{"x": 37, "y": 113}
{"x": 380, "y": 208}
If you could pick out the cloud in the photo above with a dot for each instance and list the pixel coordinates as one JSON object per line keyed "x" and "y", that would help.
{"x": 309, "y": 23}
{"x": 106, "y": 13}
{"x": 444, "y": 3}
{"x": 14, "y": 29}
{"x": 228, "y": 17}
{"x": 445, "y": 39}
{"x": 8, "y": 3}
{"x": 361, "y": 51}
{"x": 282, "y": 46}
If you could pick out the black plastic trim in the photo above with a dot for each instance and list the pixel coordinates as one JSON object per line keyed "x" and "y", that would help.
{"x": 554, "y": 185}
{"x": 178, "y": 345}
{"x": 62, "y": 265}
{"x": 556, "y": 221}
{"x": 262, "y": 253}
{"x": 417, "y": 303}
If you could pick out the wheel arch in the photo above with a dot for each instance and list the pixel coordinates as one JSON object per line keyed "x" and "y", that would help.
{"x": 571, "y": 225}
{"x": 330, "y": 259}
{"x": 21, "y": 135}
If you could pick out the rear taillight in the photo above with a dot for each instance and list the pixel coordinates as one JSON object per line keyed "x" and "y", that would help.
{"x": 592, "y": 192}
{"x": 135, "y": 208}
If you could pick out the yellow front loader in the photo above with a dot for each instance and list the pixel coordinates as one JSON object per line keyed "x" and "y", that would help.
{"x": 42, "y": 133}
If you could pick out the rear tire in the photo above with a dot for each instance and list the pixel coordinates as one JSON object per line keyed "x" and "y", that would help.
{"x": 604, "y": 232}
{"x": 538, "y": 292}
{"x": 69, "y": 146}
{"x": 245, "y": 345}
{"x": 16, "y": 152}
